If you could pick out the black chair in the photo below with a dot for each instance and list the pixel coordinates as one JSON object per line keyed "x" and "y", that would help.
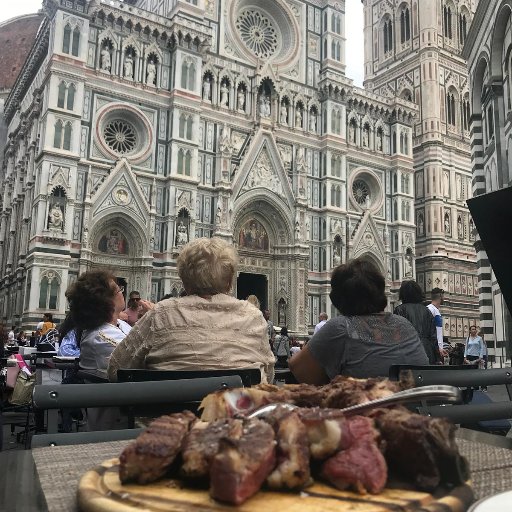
{"x": 100, "y": 436}
{"x": 478, "y": 412}
{"x": 250, "y": 376}
{"x": 125, "y": 394}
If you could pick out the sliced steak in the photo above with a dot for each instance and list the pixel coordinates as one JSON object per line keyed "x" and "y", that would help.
{"x": 202, "y": 444}
{"x": 148, "y": 458}
{"x": 241, "y": 466}
{"x": 362, "y": 467}
{"x": 421, "y": 449}
{"x": 292, "y": 470}
{"x": 328, "y": 432}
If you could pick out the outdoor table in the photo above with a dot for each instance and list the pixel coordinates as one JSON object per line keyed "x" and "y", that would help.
{"x": 52, "y": 473}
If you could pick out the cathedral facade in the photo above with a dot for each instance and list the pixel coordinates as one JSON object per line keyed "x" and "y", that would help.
{"x": 413, "y": 50}
{"x": 137, "y": 126}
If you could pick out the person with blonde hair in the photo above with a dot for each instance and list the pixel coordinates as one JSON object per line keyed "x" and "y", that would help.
{"x": 252, "y": 299}
{"x": 208, "y": 329}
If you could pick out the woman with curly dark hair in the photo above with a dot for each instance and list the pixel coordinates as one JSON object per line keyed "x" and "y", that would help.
{"x": 364, "y": 341}
{"x": 95, "y": 302}
{"x": 420, "y": 317}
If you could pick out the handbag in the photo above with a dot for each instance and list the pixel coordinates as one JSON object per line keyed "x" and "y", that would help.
{"x": 22, "y": 394}
{"x": 12, "y": 375}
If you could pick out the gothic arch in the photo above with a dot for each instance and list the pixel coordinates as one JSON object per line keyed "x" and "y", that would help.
{"x": 138, "y": 240}
{"x": 479, "y": 77}
{"x": 498, "y": 39}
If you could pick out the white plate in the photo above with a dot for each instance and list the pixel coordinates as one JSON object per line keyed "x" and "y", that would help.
{"x": 498, "y": 503}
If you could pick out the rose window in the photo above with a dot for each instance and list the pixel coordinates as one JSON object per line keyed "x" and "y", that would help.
{"x": 257, "y": 32}
{"x": 120, "y": 137}
{"x": 361, "y": 192}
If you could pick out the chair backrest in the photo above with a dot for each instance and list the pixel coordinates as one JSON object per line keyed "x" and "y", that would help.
{"x": 126, "y": 394}
{"x": 98, "y": 436}
{"x": 250, "y": 376}
{"x": 395, "y": 369}
{"x": 427, "y": 375}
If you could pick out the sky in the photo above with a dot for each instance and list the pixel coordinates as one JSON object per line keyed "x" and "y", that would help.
{"x": 353, "y": 23}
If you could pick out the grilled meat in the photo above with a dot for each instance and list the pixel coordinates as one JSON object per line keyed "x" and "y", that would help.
{"x": 202, "y": 444}
{"x": 241, "y": 466}
{"x": 148, "y": 458}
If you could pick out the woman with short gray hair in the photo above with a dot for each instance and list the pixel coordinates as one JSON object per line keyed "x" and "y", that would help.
{"x": 208, "y": 329}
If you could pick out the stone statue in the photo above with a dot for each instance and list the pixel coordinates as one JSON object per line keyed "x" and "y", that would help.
{"x": 420, "y": 225}
{"x": 241, "y": 100}
{"x": 151, "y": 73}
{"x": 460, "y": 231}
{"x": 284, "y": 114}
{"x": 336, "y": 257}
{"x": 352, "y": 132}
{"x": 408, "y": 264}
{"x": 366, "y": 137}
{"x": 85, "y": 237}
{"x": 105, "y": 60}
{"x": 379, "y": 141}
{"x": 447, "y": 224}
{"x": 298, "y": 118}
{"x": 56, "y": 217}
{"x": 298, "y": 234}
{"x": 207, "y": 89}
{"x": 224, "y": 95}
{"x": 181, "y": 234}
{"x": 312, "y": 121}
{"x": 281, "y": 314}
{"x": 218, "y": 216}
{"x": 128, "y": 66}
{"x": 264, "y": 105}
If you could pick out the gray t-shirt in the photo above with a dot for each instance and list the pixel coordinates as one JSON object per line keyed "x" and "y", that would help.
{"x": 366, "y": 346}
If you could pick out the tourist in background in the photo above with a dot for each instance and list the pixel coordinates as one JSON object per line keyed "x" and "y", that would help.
{"x": 437, "y": 297}
{"x": 322, "y": 317}
{"x": 282, "y": 348}
{"x": 475, "y": 348}
{"x": 420, "y": 317}
{"x": 364, "y": 341}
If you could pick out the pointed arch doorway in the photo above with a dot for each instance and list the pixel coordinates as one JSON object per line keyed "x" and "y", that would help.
{"x": 253, "y": 284}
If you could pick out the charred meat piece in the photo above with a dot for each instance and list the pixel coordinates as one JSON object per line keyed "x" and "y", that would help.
{"x": 361, "y": 466}
{"x": 421, "y": 449}
{"x": 292, "y": 470}
{"x": 202, "y": 444}
{"x": 328, "y": 432}
{"x": 242, "y": 465}
{"x": 347, "y": 391}
{"x": 148, "y": 458}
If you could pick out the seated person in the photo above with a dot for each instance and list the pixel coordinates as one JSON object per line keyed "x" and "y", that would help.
{"x": 95, "y": 301}
{"x": 364, "y": 341}
{"x": 205, "y": 330}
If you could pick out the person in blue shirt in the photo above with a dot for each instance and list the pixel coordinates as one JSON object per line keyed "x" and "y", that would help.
{"x": 475, "y": 348}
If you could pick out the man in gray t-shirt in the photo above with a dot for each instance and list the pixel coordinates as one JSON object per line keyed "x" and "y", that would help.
{"x": 366, "y": 346}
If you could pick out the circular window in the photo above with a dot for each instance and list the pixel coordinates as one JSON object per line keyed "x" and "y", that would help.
{"x": 258, "y": 32}
{"x": 120, "y": 136}
{"x": 361, "y": 192}
{"x": 124, "y": 131}
{"x": 366, "y": 190}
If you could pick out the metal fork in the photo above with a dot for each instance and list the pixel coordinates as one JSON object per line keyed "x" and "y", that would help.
{"x": 445, "y": 393}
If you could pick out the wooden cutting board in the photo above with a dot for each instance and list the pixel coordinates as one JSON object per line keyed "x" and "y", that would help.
{"x": 100, "y": 490}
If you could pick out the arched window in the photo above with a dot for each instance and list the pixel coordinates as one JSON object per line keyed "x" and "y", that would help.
{"x": 189, "y": 128}
{"x": 395, "y": 210}
{"x": 49, "y": 289}
{"x": 333, "y": 23}
{"x": 333, "y": 195}
{"x": 188, "y": 163}
{"x": 66, "y": 144}
{"x": 57, "y": 138}
{"x": 338, "y": 196}
{"x": 338, "y": 24}
{"x": 447, "y": 21}
{"x": 333, "y": 49}
{"x": 191, "y": 77}
{"x": 61, "y": 98}
{"x": 66, "y": 40}
{"x": 405, "y": 25}
{"x": 181, "y": 166}
{"x": 450, "y": 109}
{"x": 75, "y": 48}
{"x": 402, "y": 145}
{"x": 184, "y": 74}
{"x": 388, "y": 36}
{"x": 466, "y": 113}
{"x": 70, "y": 103}
{"x": 463, "y": 27}
{"x": 407, "y": 181}
{"x": 395, "y": 182}
{"x": 183, "y": 120}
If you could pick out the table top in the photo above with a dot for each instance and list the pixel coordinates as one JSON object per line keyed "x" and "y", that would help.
{"x": 59, "y": 469}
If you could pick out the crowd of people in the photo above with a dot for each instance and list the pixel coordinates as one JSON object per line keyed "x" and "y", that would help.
{"x": 207, "y": 328}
